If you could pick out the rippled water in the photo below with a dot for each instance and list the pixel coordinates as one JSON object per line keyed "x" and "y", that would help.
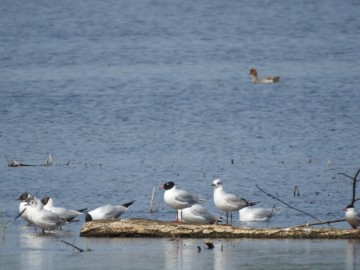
{"x": 129, "y": 94}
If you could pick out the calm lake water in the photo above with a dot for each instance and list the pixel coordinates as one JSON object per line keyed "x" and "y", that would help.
{"x": 127, "y": 95}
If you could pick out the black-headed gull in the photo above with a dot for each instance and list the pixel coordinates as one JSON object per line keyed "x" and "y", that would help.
{"x": 257, "y": 214}
{"x": 24, "y": 198}
{"x": 44, "y": 219}
{"x": 351, "y": 216}
{"x": 67, "y": 214}
{"x": 228, "y": 202}
{"x": 108, "y": 211}
{"x": 198, "y": 214}
{"x": 178, "y": 199}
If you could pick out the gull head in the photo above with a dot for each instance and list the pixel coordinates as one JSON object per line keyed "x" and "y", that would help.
{"x": 217, "y": 183}
{"x": 168, "y": 185}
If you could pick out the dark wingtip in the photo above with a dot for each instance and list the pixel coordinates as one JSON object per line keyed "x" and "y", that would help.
{"x": 276, "y": 79}
{"x": 88, "y": 217}
{"x": 128, "y": 204}
{"x": 82, "y": 210}
{"x": 252, "y": 203}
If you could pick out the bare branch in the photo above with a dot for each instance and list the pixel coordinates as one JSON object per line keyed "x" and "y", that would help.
{"x": 322, "y": 223}
{"x": 354, "y": 187}
{"x": 288, "y": 205}
{"x": 346, "y": 175}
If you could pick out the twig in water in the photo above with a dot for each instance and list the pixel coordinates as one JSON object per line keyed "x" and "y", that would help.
{"x": 3, "y": 226}
{"x": 296, "y": 191}
{"x": 152, "y": 200}
{"x": 354, "y": 180}
{"x": 288, "y": 205}
{"x": 271, "y": 215}
{"x": 157, "y": 208}
{"x": 72, "y": 245}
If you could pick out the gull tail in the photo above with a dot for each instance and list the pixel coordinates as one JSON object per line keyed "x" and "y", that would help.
{"x": 128, "y": 204}
{"x": 251, "y": 203}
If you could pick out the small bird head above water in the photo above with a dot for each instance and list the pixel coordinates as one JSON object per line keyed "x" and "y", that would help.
{"x": 253, "y": 71}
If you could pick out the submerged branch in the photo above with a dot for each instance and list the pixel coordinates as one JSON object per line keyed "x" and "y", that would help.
{"x": 79, "y": 249}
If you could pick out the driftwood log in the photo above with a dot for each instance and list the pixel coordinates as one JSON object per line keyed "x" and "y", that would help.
{"x": 166, "y": 229}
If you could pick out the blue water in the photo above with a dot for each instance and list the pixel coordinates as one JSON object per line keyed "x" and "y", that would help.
{"x": 127, "y": 95}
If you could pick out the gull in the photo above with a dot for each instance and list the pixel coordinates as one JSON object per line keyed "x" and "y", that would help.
{"x": 351, "y": 216}
{"x": 257, "y": 214}
{"x": 198, "y": 214}
{"x": 44, "y": 219}
{"x": 24, "y": 199}
{"x": 67, "y": 214}
{"x": 228, "y": 202}
{"x": 107, "y": 211}
{"x": 178, "y": 199}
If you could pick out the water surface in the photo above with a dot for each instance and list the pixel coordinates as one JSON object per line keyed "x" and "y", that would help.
{"x": 127, "y": 95}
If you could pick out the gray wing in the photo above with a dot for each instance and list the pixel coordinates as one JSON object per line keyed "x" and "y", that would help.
{"x": 186, "y": 197}
{"x": 235, "y": 200}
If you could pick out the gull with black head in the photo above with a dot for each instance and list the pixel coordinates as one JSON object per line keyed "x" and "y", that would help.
{"x": 178, "y": 199}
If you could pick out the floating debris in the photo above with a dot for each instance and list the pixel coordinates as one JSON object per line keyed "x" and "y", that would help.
{"x": 209, "y": 244}
{"x": 15, "y": 163}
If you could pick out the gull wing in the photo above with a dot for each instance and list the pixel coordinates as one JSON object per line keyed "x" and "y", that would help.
{"x": 236, "y": 200}
{"x": 186, "y": 197}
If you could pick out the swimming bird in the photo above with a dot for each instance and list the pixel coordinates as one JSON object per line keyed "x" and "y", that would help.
{"x": 228, "y": 202}
{"x": 257, "y": 214}
{"x": 198, "y": 214}
{"x": 67, "y": 214}
{"x": 44, "y": 219}
{"x": 266, "y": 80}
{"x": 108, "y": 211}
{"x": 178, "y": 199}
{"x": 351, "y": 216}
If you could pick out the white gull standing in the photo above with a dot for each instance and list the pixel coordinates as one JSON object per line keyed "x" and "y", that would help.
{"x": 108, "y": 211}
{"x": 178, "y": 199}
{"x": 228, "y": 202}
{"x": 44, "y": 219}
